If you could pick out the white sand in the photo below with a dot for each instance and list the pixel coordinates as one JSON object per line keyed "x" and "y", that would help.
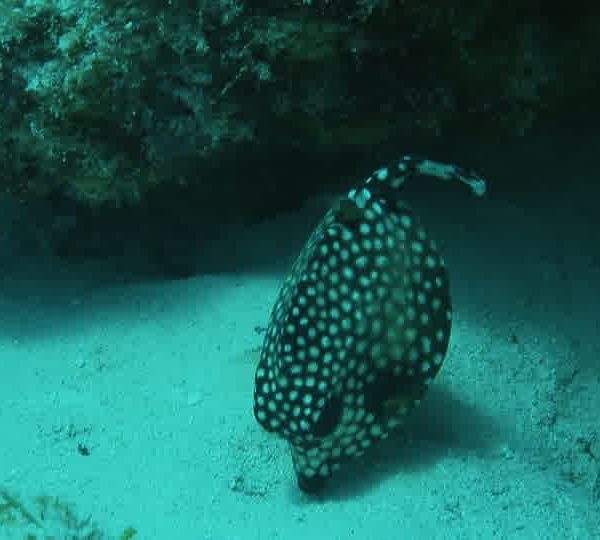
{"x": 155, "y": 379}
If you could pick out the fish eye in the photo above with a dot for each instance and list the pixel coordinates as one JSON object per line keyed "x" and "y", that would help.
{"x": 348, "y": 213}
{"x": 329, "y": 418}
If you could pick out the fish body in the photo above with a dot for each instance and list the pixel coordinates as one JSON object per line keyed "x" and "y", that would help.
{"x": 360, "y": 327}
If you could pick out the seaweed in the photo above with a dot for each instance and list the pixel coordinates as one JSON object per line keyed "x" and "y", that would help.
{"x": 48, "y": 517}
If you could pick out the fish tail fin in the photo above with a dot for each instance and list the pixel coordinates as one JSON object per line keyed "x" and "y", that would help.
{"x": 397, "y": 173}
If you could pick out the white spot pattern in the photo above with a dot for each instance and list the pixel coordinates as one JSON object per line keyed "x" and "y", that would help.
{"x": 359, "y": 329}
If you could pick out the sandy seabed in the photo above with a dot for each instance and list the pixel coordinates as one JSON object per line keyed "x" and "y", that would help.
{"x": 132, "y": 400}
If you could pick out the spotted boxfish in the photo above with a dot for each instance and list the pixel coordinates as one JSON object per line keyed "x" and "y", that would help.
{"x": 360, "y": 326}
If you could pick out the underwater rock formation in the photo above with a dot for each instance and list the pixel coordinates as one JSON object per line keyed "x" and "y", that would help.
{"x": 107, "y": 101}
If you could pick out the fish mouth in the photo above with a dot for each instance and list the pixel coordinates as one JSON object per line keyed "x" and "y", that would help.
{"x": 311, "y": 482}
{"x": 311, "y": 485}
